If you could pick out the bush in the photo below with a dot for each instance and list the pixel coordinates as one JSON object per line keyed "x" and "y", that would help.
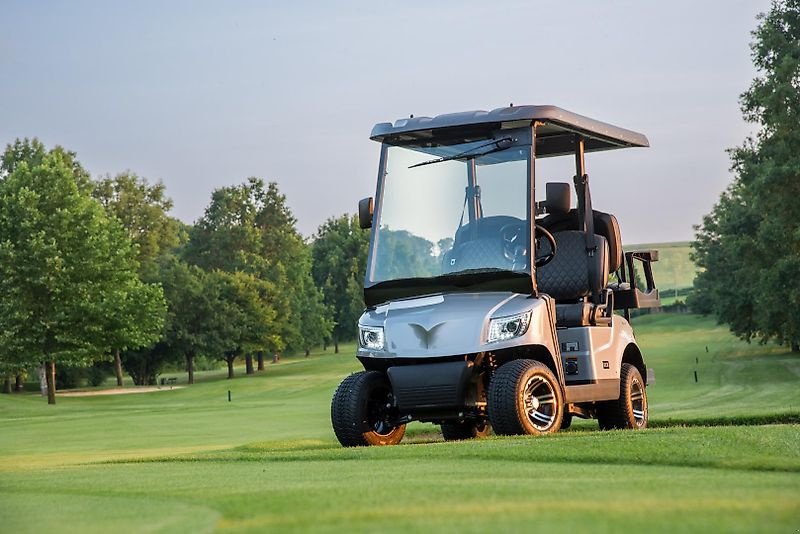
{"x": 98, "y": 372}
{"x": 69, "y": 376}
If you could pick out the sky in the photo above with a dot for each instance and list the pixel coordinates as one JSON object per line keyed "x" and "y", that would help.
{"x": 202, "y": 95}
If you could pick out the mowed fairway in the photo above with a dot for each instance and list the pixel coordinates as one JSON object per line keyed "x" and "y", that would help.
{"x": 723, "y": 455}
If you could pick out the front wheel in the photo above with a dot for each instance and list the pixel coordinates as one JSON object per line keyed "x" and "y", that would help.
{"x": 525, "y": 398}
{"x": 363, "y": 413}
{"x": 630, "y": 409}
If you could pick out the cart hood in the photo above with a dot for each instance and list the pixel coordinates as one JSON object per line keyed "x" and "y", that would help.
{"x": 442, "y": 325}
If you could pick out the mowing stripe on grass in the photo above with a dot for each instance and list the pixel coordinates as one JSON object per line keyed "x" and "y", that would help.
{"x": 754, "y": 448}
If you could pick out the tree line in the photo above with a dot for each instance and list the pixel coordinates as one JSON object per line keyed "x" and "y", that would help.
{"x": 748, "y": 247}
{"x": 95, "y": 272}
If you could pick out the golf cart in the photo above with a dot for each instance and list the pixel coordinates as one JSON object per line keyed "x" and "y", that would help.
{"x": 485, "y": 308}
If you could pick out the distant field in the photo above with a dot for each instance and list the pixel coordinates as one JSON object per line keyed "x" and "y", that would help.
{"x": 187, "y": 460}
{"x": 674, "y": 269}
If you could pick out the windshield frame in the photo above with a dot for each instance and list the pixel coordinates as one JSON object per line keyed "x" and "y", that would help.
{"x": 377, "y": 292}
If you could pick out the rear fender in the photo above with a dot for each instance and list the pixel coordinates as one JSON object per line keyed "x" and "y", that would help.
{"x": 633, "y": 356}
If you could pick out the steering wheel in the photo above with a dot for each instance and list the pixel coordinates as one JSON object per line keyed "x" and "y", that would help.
{"x": 541, "y": 231}
{"x": 514, "y": 246}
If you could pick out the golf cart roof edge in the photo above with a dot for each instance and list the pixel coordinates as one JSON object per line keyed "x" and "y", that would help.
{"x": 558, "y": 119}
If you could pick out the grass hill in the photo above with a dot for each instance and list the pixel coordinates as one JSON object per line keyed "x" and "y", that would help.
{"x": 723, "y": 455}
{"x": 674, "y": 268}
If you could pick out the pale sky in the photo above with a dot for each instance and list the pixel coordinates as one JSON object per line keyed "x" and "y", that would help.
{"x": 204, "y": 94}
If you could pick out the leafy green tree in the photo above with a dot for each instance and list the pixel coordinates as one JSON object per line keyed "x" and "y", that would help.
{"x": 63, "y": 264}
{"x": 32, "y": 152}
{"x": 11, "y": 370}
{"x": 749, "y": 245}
{"x": 191, "y": 303}
{"x": 145, "y": 364}
{"x": 249, "y": 228}
{"x": 142, "y": 209}
{"x": 315, "y": 322}
{"x": 227, "y": 236}
{"x": 244, "y": 320}
{"x": 307, "y": 320}
{"x": 339, "y": 253}
{"x": 135, "y": 320}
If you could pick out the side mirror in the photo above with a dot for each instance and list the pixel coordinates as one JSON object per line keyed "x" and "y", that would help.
{"x": 365, "y": 210}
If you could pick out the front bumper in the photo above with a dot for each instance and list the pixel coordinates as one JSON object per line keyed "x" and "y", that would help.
{"x": 432, "y": 386}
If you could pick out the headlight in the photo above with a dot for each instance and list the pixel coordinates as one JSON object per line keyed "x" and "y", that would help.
{"x": 509, "y": 327}
{"x": 371, "y": 337}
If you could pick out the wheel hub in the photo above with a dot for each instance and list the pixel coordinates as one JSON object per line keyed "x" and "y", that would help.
{"x": 379, "y": 412}
{"x": 540, "y": 403}
{"x": 638, "y": 403}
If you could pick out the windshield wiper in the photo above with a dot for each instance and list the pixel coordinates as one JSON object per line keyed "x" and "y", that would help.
{"x": 498, "y": 144}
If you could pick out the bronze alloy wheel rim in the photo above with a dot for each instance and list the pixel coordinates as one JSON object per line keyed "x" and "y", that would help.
{"x": 638, "y": 403}
{"x": 540, "y": 403}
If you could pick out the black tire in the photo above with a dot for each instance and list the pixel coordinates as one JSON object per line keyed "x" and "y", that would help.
{"x": 359, "y": 411}
{"x": 630, "y": 409}
{"x": 466, "y": 430}
{"x": 525, "y": 398}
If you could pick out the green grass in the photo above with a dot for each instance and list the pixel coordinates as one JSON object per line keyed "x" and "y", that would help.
{"x": 188, "y": 460}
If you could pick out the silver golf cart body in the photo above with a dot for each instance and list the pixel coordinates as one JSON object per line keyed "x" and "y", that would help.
{"x": 440, "y": 331}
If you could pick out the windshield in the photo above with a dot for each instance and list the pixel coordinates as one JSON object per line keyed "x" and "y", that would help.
{"x": 462, "y": 212}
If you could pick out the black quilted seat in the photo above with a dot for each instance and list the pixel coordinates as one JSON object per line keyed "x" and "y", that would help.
{"x": 605, "y": 225}
{"x": 566, "y": 277}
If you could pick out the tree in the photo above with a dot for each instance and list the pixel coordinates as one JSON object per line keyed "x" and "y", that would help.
{"x": 307, "y": 320}
{"x": 339, "y": 253}
{"x": 11, "y": 369}
{"x": 145, "y": 364}
{"x": 249, "y": 228}
{"x": 227, "y": 236}
{"x": 142, "y": 210}
{"x": 134, "y": 321}
{"x": 749, "y": 245}
{"x": 316, "y": 321}
{"x": 63, "y": 264}
{"x": 32, "y": 152}
{"x": 244, "y": 320}
{"x": 191, "y": 310}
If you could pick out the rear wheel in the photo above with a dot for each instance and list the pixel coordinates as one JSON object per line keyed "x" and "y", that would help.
{"x": 525, "y": 398}
{"x": 630, "y": 409}
{"x": 363, "y": 413}
{"x": 465, "y": 430}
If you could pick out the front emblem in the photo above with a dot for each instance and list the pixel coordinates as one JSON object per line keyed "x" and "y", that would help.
{"x": 425, "y": 335}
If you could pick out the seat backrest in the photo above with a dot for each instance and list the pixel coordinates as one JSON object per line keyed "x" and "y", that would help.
{"x": 566, "y": 277}
{"x": 605, "y": 225}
